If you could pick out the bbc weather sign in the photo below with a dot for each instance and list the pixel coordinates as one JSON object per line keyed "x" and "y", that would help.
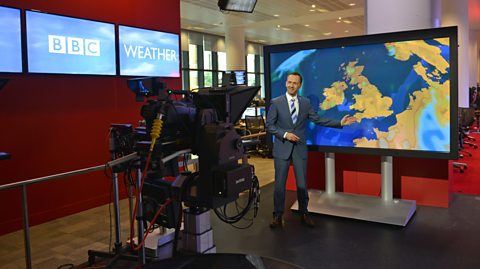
{"x": 64, "y": 45}
{"x": 148, "y": 53}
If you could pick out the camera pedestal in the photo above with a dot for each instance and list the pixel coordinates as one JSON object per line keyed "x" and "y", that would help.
{"x": 197, "y": 236}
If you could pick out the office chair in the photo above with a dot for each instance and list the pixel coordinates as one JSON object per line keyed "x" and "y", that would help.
{"x": 462, "y": 118}
{"x": 256, "y": 125}
{"x": 466, "y": 123}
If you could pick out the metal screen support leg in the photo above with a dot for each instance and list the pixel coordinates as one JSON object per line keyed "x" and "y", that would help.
{"x": 387, "y": 178}
{"x": 330, "y": 172}
{"x": 141, "y": 251}
{"x": 26, "y": 228}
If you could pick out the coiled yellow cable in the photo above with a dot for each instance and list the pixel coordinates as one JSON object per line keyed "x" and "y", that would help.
{"x": 156, "y": 131}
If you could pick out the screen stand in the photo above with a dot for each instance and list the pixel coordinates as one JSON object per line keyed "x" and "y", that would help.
{"x": 382, "y": 209}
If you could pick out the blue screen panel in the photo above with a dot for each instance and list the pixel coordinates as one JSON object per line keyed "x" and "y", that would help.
{"x": 63, "y": 45}
{"x": 148, "y": 53}
{"x": 10, "y": 40}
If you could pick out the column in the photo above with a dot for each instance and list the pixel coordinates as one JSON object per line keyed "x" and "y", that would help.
{"x": 456, "y": 13}
{"x": 235, "y": 43}
{"x": 473, "y": 57}
{"x": 383, "y": 16}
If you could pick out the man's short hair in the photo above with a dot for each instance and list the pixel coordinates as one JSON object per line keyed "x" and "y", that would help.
{"x": 296, "y": 74}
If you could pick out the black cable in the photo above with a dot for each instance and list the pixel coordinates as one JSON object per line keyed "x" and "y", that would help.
{"x": 66, "y": 266}
{"x": 185, "y": 162}
{"x": 252, "y": 195}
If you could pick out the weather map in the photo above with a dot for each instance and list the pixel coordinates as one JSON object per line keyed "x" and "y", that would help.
{"x": 398, "y": 91}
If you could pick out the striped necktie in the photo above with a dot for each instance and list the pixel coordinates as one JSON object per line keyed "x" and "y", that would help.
{"x": 293, "y": 110}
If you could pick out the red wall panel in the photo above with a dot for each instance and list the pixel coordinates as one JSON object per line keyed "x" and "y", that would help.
{"x": 58, "y": 123}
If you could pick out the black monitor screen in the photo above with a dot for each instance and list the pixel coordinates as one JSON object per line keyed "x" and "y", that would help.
{"x": 401, "y": 87}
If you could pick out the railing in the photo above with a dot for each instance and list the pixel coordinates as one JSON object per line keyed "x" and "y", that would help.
{"x": 25, "y": 183}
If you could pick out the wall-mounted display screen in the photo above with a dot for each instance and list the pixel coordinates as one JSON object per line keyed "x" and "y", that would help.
{"x": 148, "y": 53}
{"x": 10, "y": 40}
{"x": 64, "y": 45}
{"x": 401, "y": 87}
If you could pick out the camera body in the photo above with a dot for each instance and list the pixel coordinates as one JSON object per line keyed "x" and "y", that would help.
{"x": 200, "y": 123}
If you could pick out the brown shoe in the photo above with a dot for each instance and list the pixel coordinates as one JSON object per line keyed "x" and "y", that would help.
{"x": 277, "y": 221}
{"x": 307, "y": 221}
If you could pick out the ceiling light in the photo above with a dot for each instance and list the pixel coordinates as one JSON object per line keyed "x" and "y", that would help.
{"x": 338, "y": 21}
{"x": 314, "y": 6}
{"x": 278, "y": 25}
{"x": 327, "y": 33}
{"x": 306, "y": 25}
{"x": 347, "y": 21}
{"x": 276, "y": 15}
{"x": 352, "y": 4}
{"x": 346, "y": 31}
{"x": 340, "y": 18}
{"x": 322, "y": 10}
{"x": 312, "y": 10}
{"x": 286, "y": 29}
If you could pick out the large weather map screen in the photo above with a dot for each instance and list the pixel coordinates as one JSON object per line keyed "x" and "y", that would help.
{"x": 401, "y": 92}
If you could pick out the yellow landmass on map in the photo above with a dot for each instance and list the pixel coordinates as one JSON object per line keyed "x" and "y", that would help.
{"x": 402, "y": 135}
{"x": 370, "y": 101}
{"x": 334, "y": 95}
{"x": 444, "y": 41}
{"x": 431, "y": 54}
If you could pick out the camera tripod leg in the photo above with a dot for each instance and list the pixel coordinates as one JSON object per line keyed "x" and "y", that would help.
{"x": 140, "y": 230}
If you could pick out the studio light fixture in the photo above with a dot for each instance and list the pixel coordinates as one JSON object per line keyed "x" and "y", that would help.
{"x": 237, "y": 5}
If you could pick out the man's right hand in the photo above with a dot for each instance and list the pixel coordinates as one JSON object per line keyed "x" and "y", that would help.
{"x": 292, "y": 137}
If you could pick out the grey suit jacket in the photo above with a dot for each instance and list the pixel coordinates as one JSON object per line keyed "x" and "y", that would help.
{"x": 279, "y": 121}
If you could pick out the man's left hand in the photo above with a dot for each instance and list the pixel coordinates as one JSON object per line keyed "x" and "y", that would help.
{"x": 347, "y": 120}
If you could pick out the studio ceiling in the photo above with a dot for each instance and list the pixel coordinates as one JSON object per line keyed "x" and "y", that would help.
{"x": 278, "y": 21}
{"x": 283, "y": 21}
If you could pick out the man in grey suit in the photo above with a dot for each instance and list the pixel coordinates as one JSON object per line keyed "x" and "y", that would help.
{"x": 286, "y": 120}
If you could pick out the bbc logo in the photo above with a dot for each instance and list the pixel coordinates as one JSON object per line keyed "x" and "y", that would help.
{"x": 73, "y": 45}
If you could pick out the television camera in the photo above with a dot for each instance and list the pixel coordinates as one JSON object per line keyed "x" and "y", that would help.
{"x": 198, "y": 122}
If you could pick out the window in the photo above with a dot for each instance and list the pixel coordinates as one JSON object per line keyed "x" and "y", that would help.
{"x": 205, "y": 58}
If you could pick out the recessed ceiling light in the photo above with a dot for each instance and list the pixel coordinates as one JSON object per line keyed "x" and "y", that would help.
{"x": 347, "y": 21}
{"x": 312, "y": 10}
{"x": 327, "y": 33}
{"x": 338, "y": 21}
{"x": 352, "y": 4}
{"x": 314, "y": 6}
{"x": 322, "y": 10}
{"x": 278, "y": 25}
{"x": 340, "y": 18}
{"x": 306, "y": 25}
{"x": 346, "y": 31}
{"x": 286, "y": 29}
{"x": 276, "y": 15}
